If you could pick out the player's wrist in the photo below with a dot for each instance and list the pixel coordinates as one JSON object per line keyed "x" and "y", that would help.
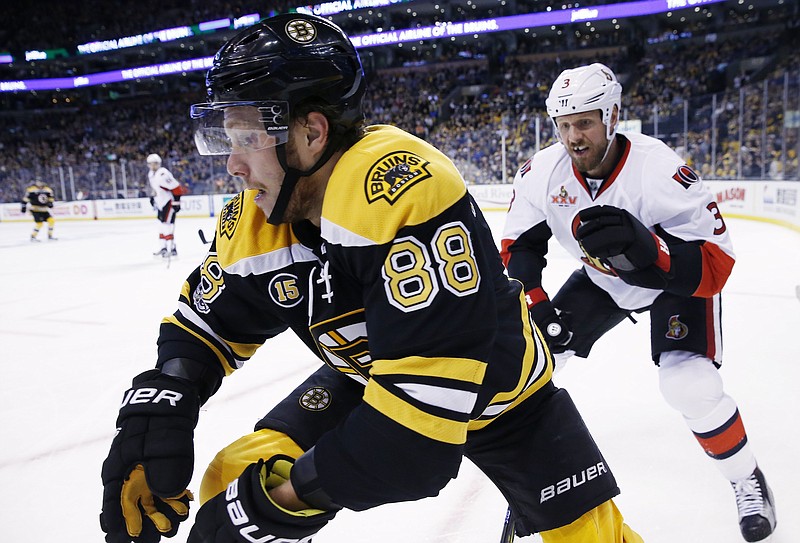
{"x": 206, "y": 378}
{"x": 306, "y": 484}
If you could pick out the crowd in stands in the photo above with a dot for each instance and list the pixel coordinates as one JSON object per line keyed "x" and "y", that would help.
{"x": 729, "y": 105}
{"x": 69, "y": 24}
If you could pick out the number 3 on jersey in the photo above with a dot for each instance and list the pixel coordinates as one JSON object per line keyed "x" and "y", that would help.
{"x": 409, "y": 275}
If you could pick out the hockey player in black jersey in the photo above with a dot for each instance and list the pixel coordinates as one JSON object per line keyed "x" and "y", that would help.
{"x": 366, "y": 244}
{"x": 40, "y": 199}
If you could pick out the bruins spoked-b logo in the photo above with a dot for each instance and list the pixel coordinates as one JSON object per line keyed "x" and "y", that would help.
{"x": 395, "y": 173}
{"x": 301, "y": 31}
{"x": 315, "y": 399}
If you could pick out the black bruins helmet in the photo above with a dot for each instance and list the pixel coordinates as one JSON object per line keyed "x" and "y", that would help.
{"x": 290, "y": 57}
{"x": 273, "y": 66}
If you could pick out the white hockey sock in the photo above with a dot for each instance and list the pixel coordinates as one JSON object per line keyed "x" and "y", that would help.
{"x": 691, "y": 384}
{"x": 722, "y": 436}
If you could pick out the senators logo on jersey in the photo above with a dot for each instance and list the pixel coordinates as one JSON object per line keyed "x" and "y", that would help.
{"x": 676, "y": 329}
{"x": 686, "y": 176}
{"x": 395, "y": 173}
{"x": 562, "y": 198}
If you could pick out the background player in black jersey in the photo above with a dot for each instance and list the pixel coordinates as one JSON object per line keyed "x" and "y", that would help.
{"x": 40, "y": 199}
{"x": 366, "y": 243}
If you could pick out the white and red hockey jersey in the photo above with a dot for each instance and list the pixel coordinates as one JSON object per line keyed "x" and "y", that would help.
{"x": 165, "y": 187}
{"x": 650, "y": 181}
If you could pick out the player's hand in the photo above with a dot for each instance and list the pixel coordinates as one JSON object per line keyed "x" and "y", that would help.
{"x": 151, "y": 461}
{"x": 49, "y": 204}
{"x": 615, "y": 236}
{"x": 245, "y": 512}
{"x": 23, "y": 208}
{"x": 555, "y": 331}
{"x": 153, "y": 203}
{"x": 176, "y": 205}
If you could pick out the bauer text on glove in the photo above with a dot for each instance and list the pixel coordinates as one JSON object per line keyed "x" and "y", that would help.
{"x": 244, "y": 512}
{"x": 151, "y": 460}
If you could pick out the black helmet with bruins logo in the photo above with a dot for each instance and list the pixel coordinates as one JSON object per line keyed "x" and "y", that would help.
{"x": 290, "y": 57}
{"x": 272, "y": 67}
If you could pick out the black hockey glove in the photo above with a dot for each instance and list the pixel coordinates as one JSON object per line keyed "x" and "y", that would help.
{"x": 49, "y": 204}
{"x": 615, "y": 236}
{"x": 555, "y": 331}
{"x": 151, "y": 460}
{"x": 153, "y": 203}
{"x": 245, "y": 513}
{"x": 176, "y": 205}
{"x": 24, "y": 208}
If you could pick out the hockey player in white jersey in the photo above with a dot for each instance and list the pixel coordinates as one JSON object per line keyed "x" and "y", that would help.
{"x": 650, "y": 237}
{"x": 166, "y": 200}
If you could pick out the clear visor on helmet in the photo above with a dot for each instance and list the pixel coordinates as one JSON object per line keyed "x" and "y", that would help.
{"x": 224, "y": 128}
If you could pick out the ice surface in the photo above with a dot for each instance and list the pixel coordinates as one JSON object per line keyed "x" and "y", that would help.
{"x": 79, "y": 317}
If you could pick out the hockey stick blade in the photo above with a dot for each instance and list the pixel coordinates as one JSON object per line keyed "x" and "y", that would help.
{"x": 203, "y": 237}
{"x": 508, "y": 528}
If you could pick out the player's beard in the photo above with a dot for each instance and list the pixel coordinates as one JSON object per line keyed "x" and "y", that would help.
{"x": 591, "y": 160}
{"x": 306, "y": 200}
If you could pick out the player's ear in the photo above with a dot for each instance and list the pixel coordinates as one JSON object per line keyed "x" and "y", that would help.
{"x": 614, "y": 116}
{"x": 316, "y": 132}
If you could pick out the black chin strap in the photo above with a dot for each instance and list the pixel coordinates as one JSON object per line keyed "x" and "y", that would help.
{"x": 293, "y": 175}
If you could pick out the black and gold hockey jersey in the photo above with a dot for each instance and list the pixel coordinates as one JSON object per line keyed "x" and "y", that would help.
{"x": 39, "y": 199}
{"x": 401, "y": 289}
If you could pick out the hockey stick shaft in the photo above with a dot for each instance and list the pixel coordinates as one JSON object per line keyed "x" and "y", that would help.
{"x": 508, "y": 528}
{"x": 203, "y": 237}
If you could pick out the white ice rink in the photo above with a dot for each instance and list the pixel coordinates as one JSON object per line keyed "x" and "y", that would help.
{"x": 79, "y": 317}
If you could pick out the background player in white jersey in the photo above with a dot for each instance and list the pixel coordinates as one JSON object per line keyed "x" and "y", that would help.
{"x": 650, "y": 237}
{"x": 166, "y": 200}
{"x": 40, "y": 198}
{"x": 366, "y": 243}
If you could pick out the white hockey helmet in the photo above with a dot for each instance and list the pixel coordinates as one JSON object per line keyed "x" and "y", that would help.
{"x": 585, "y": 88}
{"x": 153, "y": 159}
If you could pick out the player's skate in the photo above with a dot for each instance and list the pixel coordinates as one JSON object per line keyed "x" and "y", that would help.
{"x": 161, "y": 252}
{"x": 173, "y": 252}
{"x": 756, "y": 507}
